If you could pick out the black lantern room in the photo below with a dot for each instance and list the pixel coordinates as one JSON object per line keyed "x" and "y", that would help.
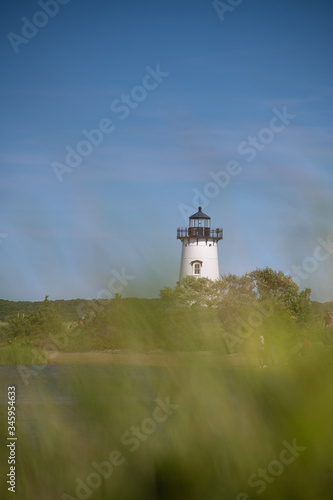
{"x": 199, "y": 224}
{"x": 199, "y": 227}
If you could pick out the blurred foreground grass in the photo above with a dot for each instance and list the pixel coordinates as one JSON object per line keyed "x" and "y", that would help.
{"x": 223, "y": 425}
{"x": 16, "y": 354}
{"x": 189, "y": 430}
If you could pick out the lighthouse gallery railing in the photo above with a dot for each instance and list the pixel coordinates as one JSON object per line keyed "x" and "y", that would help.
{"x": 202, "y": 232}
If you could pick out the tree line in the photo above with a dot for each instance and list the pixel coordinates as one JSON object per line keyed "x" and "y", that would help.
{"x": 227, "y": 315}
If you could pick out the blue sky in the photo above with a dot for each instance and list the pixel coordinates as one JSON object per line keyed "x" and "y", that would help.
{"x": 116, "y": 213}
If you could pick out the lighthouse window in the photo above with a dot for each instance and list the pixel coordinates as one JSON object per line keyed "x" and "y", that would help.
{"x": 199, "y": 223}
{"x": 196, "y": 268}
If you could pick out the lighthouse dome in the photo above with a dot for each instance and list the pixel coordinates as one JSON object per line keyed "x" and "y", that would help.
{"x": 199, "y": 219}
{"x": 199, "y": 215}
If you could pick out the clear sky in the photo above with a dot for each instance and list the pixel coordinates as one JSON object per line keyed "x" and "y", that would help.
{"x": 181, "y": 93}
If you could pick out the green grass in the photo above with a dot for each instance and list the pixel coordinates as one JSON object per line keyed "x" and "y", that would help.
{"x": 16, "y": 354}
{"x": 229, "y": 423}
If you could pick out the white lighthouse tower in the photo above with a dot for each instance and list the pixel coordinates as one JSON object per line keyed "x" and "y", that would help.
{"x": 199, "y": 248}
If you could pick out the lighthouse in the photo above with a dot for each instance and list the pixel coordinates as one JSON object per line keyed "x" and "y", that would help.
{"x": 199, "y": 248}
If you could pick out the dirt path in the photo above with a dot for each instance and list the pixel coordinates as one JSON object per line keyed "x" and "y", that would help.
{"x": 153, "y": 358}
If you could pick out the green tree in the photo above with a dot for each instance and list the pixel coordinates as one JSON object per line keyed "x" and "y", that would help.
{"x": 191, "y": 291}
{"x": 280, "y": 288}
{"x": 43, "y": 322}
{"x": 263, "y": 301}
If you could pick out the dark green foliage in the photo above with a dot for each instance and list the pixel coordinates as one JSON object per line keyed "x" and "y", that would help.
{"x": 147, "y": 324}
{"x": 197, "y": 314}
{"x": 35, "y": 324}
{"x": 233, "y": 293}
{"x": 67, "y": 309}
{"x": 9, "y": 308}
{"x": 276, "y": 286}
{"x": 263, "y": 302}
